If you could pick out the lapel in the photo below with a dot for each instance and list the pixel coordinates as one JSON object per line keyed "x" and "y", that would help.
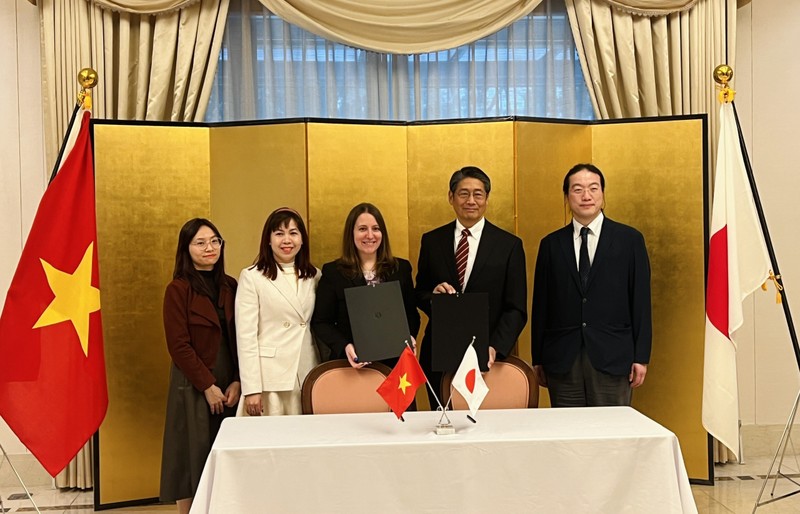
{"x": 284, "y": 288}
{"x": 566, "y": 242}
{"x": 358, "y": 281}
{"x": 607, "y": 235}
{"x": 203, "y": 306}
{"x": 448, "y": 252}
{"x": 485, "y": 248}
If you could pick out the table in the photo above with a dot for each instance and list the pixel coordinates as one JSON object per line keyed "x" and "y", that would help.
{"x": 609, "y": 459}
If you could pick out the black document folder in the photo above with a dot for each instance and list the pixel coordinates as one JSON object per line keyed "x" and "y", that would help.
{"x": 378, "y": 321}
{"x": 456, "y": 319}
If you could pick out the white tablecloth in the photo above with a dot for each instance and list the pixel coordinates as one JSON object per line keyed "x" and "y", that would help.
{"x": 610, "y": 459}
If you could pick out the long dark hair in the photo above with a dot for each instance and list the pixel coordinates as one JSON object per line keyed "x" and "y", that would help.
{"x": 265, "y": 261}
{"x": 184, "y": 266}
{"x": 349, "y": 262}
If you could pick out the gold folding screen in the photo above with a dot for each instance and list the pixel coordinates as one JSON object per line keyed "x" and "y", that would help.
{"x": 152, "y": 178}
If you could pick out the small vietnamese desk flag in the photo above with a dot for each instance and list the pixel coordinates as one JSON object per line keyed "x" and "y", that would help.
{"x": 400, "y": 387}
{"x": 53, "y": 391}
{"x": 738, "y": 264}
{"x": 468, "y": 381}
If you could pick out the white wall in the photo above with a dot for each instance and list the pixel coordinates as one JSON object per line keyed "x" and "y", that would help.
{"x": 766, "y": 77}
{"x": 22, "y": 167}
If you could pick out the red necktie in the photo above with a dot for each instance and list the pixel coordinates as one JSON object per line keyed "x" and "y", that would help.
{"x": 462, "y": 254}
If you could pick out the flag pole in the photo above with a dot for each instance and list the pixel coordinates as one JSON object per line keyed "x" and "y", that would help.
{"x": 87, "y": 78}
{"x": 722, "y": 75}
{"x": 19, "y": 479}
{"x": 64, "y": 142}
{"x": 776, "y": 274}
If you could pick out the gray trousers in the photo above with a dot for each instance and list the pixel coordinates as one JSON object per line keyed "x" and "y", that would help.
{"x": 584, "y": 386}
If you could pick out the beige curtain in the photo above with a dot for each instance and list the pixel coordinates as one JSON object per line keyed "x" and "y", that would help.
{"x": 401, "y": 27}
{"x": 722, "y": 454}
{"x": 150, "y": 67}
{"x": 652, "y": 66}
{"x": 78, "y": 473}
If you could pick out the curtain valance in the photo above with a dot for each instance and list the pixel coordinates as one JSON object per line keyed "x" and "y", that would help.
{"x": 140, "y": 6}
{"x": 401, "y": 27}
{"x": 652, "y": 7}
{"x": 426, "y": 24}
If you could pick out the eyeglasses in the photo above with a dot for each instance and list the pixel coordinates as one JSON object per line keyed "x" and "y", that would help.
{"x": 215, "y": 243}
{"x": 592, "y": 190}
{"x": 478, "y": 196}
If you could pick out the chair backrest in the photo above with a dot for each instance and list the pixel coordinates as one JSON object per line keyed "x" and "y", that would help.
{"x": 335, "y": 387}
{"x": 512, "y": 385}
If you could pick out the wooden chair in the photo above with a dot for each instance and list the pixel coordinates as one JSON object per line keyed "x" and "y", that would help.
{"x": 335, "y": 387}
{"x": 512, "y": 385}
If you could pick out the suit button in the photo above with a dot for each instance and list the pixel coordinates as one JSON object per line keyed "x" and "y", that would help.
{"x": 303, "y": 324}
{"x": 583, "y": 325}
{"x": 286, "y": 324}
{"x": 585, "y": 300}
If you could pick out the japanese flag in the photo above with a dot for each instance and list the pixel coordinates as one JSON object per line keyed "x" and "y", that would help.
{"x": 468, "y": 381}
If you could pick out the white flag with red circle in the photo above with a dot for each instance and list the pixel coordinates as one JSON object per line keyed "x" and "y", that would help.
{"x": 468, "y": 381}
{"x": 738, "y": 263}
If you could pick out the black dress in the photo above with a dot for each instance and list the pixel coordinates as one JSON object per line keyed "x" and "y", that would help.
{"x": 190, "y": 428}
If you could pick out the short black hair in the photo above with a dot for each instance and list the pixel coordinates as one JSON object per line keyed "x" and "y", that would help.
{"x": 470, "y": 172}
{"x": 584, "y": 167}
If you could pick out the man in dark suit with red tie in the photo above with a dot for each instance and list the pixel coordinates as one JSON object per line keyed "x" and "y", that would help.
{"x": 591, "y": 323}
{"x": 472, "y": 255}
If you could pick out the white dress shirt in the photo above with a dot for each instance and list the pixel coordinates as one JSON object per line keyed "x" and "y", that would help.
{"x": 594, "y": 235}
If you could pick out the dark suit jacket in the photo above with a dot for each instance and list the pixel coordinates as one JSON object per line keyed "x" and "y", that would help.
{"x": 499, "y": 270}
{"x": 193, "y": 331}
{"x": 331, "y": 323}
{"x": 612, "y": 315}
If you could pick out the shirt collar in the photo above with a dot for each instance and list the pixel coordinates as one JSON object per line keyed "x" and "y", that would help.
{"x": 475, "y": 230}
{"x": 594, "y": 227}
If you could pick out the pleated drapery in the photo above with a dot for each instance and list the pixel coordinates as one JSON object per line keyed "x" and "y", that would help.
{"x": 638, "y": 66}
{"x": 401, "y": 27}
{"x": 149, "y": 67}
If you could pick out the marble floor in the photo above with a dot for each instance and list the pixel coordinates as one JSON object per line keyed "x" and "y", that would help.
{"x": 735, "y": 491}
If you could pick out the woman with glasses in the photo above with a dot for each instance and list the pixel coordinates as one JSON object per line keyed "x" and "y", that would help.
{"x": 274, "y": 304}
{"x": 366, "y": 259}
{"x": 201, "y": 339}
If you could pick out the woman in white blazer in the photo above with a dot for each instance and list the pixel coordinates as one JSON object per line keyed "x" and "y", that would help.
{"x": 274, "y": 304}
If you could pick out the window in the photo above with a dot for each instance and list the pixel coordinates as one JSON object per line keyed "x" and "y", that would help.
{"x": 269, "y": 69}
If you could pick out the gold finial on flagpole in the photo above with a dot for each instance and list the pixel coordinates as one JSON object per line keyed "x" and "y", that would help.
{"x": 722, "y": 75}
{"x": 87, "y": 78}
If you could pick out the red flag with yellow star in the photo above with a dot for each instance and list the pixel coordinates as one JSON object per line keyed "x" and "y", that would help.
{"x": 400, "y": 387}
{"x": 53, "y": 391}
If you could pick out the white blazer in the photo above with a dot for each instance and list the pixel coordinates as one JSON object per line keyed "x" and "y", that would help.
{"x": 272, "y": 325}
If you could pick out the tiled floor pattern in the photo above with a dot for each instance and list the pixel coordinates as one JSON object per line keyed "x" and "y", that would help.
{"x": 735, "y": 491}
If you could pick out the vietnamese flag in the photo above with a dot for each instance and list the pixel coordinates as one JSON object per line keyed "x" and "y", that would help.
{"x": 400, "y": 387}
{"x": 469, "y": 382}
{"x": 738, "y": 264}
{"x": 53, "y": 391}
